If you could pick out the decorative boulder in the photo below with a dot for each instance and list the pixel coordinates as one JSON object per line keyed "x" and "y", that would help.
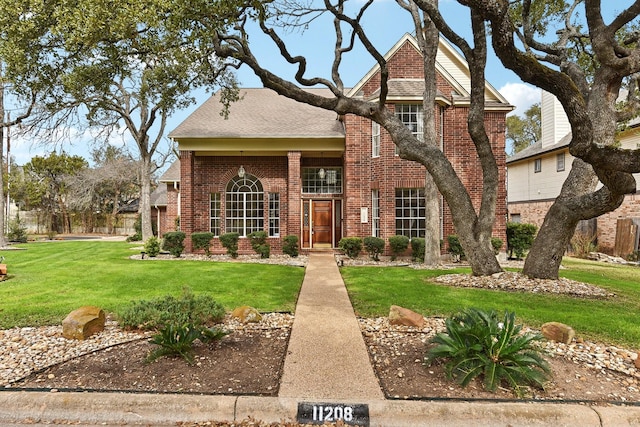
{"x": 247, "y": 314}
{"x": 403, "y": 316}
{"x": 83, "y": 322}
{"x": 559, "y": 332}
{"x": 637, "y": 361}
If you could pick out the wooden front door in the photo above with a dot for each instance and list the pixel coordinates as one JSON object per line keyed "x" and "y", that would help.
{"x": 322, "y": 223}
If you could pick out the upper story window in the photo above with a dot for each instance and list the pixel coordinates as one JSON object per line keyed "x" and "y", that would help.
{"x": 375, "y": 139}
{"x": 244, "y": 205}
{"x": 560, "y": 162}
{"x": 412, "y": 115}
{"x": 322, "y": 180}
{"x": 537, "y": 165}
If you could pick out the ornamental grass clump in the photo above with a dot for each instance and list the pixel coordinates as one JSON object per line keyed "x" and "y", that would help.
{"x": 478, "y": 344}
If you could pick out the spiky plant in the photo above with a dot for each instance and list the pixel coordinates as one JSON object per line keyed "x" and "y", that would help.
{"x": 479, "y": 344}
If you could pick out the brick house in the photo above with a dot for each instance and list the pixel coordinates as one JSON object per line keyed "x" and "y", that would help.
{"x": 537, "y": 173}
{"x": 292, "y": 169}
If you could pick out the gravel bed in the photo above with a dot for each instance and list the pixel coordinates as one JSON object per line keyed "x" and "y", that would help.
{"x": 592, "y": 355}
{"x": 24, "y": 351}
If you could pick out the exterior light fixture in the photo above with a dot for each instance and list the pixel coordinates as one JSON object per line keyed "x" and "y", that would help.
{"x": 241, "y": 171}
{"x": 321, "y": 172}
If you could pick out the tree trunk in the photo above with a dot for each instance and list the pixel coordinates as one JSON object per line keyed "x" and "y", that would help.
{"x": 145, "y": 198}
{"x": 432, "y": 222}
{"x": 3, "y": 220}
{"x": 576, "y": 202}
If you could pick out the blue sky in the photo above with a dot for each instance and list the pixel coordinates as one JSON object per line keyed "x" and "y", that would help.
{"x": 385, "y": 24}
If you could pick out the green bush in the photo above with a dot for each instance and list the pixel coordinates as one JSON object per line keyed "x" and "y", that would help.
{"x": 417, "y": 249}
{"x": 455, "y": 248}
{"x": 173, "y": 242}
{"x": 480, "y": 344}
{"x": 351, "y": 246}
{"x": 202, "y": 240}
{"x": 152, "y": 246}
{"x": 520, "y": 238}
{"x": 17, "y": 230}
{"x": 230, "y": 242}
{"x": 398, "y": 245}
{"x": 160, "y": 312}
{"x": 290, "y": 245}
{"x": 177, "y": 340}
{"x": 258, "y": 240}
{"x": 496, "y": 244}
{"x": 374, "y": 247}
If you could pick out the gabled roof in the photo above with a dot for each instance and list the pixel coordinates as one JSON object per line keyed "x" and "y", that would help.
{"x": 159, "y": 196}
{"x": 262, "y": 114}
{"x": 450, "y": 65}
{"x": 172, "y": 174}
{"x": 536, "y": 149}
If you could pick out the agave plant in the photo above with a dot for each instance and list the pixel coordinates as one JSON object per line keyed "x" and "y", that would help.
{"x": 175, "y": 340}
{"x": 480, "y": 344}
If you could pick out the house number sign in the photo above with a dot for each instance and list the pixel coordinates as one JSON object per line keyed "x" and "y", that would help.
{"x": 320, "y": 413}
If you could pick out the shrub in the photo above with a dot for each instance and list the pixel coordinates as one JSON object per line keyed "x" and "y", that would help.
{"x": 374, "y": 247}
{"x": 519, "y": 238}
{"x": 290, "y": 245}
{"x": 480, "y": 344}
{"x": 17, "y": 230}
{"x": 351, "y": 246}
{"x": 417, "y": 249}
{"x": 173, "y": 242}
{"x": 152, "y": 246}
{"x": 230, "y": 242}
{"x": 582, "y": 243}
{"x": 496, "y": 244}
{"x": 202, "y": 240}
{"x": 258, "y": 240}
{"x": 177, "y": 340}
{"x": 398, "y": 245}
{"x": 168, "y": 310}
{"x": 455, "y": 248}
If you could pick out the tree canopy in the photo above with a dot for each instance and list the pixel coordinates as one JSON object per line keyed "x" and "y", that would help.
{"x": 524, "y": 131}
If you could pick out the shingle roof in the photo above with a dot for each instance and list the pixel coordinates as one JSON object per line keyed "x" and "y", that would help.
{"x": 403, "y": 88}
{"x": 261, "y": 113}
{"x": 159, "y": 196}
{"x": 172, "y": 174}
{"x": 537, "y": 149}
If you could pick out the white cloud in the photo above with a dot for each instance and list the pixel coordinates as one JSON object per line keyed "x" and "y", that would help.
{"x": 521, "y": 95}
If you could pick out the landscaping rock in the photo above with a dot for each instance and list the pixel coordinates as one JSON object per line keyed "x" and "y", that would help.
{"x": 558, "y": 332}
{"x": 247, "y": 314}
{"x": 83, "y": 322}
{"x": 637, "y": 361}
{"x": 403, "y": 316}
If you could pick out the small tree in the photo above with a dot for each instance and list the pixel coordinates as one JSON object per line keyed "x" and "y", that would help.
{"x": 351, "y": 246}
{"x": 174, "y": 242}
{"x": 17, "y": 230}
{"x": 152, "y": 246}
{"x": 230, "y": 242}
{"x": 374, "y": 247}
{"x": 202, "y": 240}
{"x": 399, "y": 245}
{"x": 290, "y": 245}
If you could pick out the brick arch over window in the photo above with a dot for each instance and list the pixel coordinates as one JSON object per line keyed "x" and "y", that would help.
{"x": 244, "y": 205}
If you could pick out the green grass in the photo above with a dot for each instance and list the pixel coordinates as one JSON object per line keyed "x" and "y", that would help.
{"x": 373, "y": 290}
{"x": 48, "y": 280}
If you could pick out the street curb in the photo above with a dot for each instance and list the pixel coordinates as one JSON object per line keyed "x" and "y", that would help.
{"x": 168, "y": 409}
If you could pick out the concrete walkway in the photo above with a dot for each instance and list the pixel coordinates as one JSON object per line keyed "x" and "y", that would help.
{"x": 327, "y": 357}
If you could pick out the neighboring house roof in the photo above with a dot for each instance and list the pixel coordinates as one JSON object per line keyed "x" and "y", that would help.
{"x": 172, "y": 174}
{"x": 536, "y": 149}
{"x": 263, "y": 114}
{"x": 159, "y": 196}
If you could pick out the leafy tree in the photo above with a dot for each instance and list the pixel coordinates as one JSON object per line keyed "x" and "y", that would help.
{"x": 47, "y": 185}
{"x": 524, "y": 131}
{"x": 113, "y": 65}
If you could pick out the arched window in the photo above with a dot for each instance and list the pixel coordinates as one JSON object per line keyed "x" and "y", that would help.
{"x": 244, "y": 205}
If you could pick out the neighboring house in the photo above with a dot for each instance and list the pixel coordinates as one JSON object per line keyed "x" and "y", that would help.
{"x": 165, "y": 200}
{"x": 536, "y": 174}
{"x": 292, "y": 169}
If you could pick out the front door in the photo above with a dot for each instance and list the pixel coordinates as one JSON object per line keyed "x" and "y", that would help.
{"x": 322, "y": 222}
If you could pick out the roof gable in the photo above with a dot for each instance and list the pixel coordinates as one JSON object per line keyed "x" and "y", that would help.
{"x": 451, "y": 66}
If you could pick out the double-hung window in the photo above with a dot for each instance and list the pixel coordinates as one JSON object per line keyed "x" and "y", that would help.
{"x": 410, "y": 212}
{"x": 375, "y": 139}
